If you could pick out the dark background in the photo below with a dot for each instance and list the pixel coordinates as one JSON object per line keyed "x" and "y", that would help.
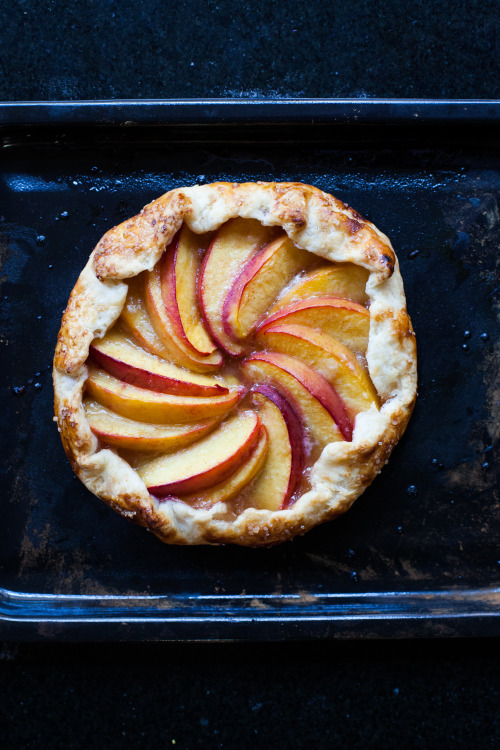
{"x": 420, "y": 693}
{"x": 105, "y": 49}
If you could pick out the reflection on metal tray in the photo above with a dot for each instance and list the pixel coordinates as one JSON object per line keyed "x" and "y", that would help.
{"x": 418, "y": 552}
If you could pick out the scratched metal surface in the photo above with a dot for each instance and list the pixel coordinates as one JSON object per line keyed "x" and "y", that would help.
{"x": 426, "y": 528}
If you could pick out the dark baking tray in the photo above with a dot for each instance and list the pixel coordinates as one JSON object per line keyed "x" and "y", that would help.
{"x": 418, "y": 553}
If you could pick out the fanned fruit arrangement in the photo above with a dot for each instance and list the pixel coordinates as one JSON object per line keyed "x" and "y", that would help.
{"x": 234, "y": 362}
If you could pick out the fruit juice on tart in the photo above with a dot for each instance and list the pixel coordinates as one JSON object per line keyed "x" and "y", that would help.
{"x": 236, "y": 363}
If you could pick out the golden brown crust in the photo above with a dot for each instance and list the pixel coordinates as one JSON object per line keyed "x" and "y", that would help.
{"x": 140, "y": 237}
{"x": 313, "y": 220}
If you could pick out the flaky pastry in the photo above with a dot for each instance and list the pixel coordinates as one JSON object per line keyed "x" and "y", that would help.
{"x": 314, "y": 222}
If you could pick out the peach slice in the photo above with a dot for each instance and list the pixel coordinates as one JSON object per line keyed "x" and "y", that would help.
{"x": 347, "y": 321}
{"x": 210, "y": 461}
{"x": 319, "y": 406}
{"x": 158, "y": 408}
{"x": 344, "y": 280}
{"x": 141, "y": 436}
{"x": 179, "y": 273}
{"x": 274, "y": 487}
{"x": 234, "y": 244}
{"x": 136, "y": 320}
{"x": 237, "y": 482}
{"x": 122, "y": 358}
{"x": 331, "y": 359}
{"x": 258, "y": 284}
{"x": 178, "y": 346}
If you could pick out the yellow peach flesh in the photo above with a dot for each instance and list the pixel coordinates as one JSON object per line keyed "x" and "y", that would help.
{"x": 235, "y": 243}
{"x": 121, "y": 357}
{"x": 227, "y": 490}
{"x": 259, "y": 283}
{"x": 164, "y": 328}
{"x": 347, "y": 321}
{"x": 344, "y": 280}
{"x": 157, "y": 408}
{"x": 137, "y": 321}
{"x": 320, "y": 424}
{"x": 187, "y": 265}
{"x": 327, "y": 356}
{"x": 210, "y": 461}
{"x": 271, "y": 485}
{"x": 130, "y": 434}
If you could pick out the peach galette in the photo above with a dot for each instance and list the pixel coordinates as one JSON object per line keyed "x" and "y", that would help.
{"x": 235, "y": 363}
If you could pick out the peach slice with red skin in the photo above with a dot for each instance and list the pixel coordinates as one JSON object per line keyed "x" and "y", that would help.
{"x": 130, "y": 434}
{"x": 135, "y": 319}
{"x": 345, "y": 280}
{"x": 279, "y": 477}
{"x": 327, "y": 356}
{"x": 158, "y": 408}
{"x": 178, "y": 274}
{"x": 121, "y": 358}
{"x": 258, "y": 284}
{"x": 210, "y": 461}
{"x": 180, "y": 350}
{"x": 234, "y": 244}
{"x": 320, "y": 407}
{"x": 345, "y": 320}
{"x": 227, "y": 490}
{"x": 308, "y": 384}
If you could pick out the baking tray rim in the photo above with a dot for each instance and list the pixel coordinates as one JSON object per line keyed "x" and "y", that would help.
{"x": 130, "y": 112}
{"x": 37, "y": 616}
{"x": 450, "y": 612}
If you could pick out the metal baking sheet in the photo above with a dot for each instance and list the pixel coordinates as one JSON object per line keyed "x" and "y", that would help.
{"x": 418, "y": 553}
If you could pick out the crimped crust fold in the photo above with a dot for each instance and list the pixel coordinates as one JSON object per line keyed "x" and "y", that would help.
{"x": 314, "y": 221}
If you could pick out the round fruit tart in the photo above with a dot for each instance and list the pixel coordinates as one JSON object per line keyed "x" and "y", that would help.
{"x": 235, "y": 363}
